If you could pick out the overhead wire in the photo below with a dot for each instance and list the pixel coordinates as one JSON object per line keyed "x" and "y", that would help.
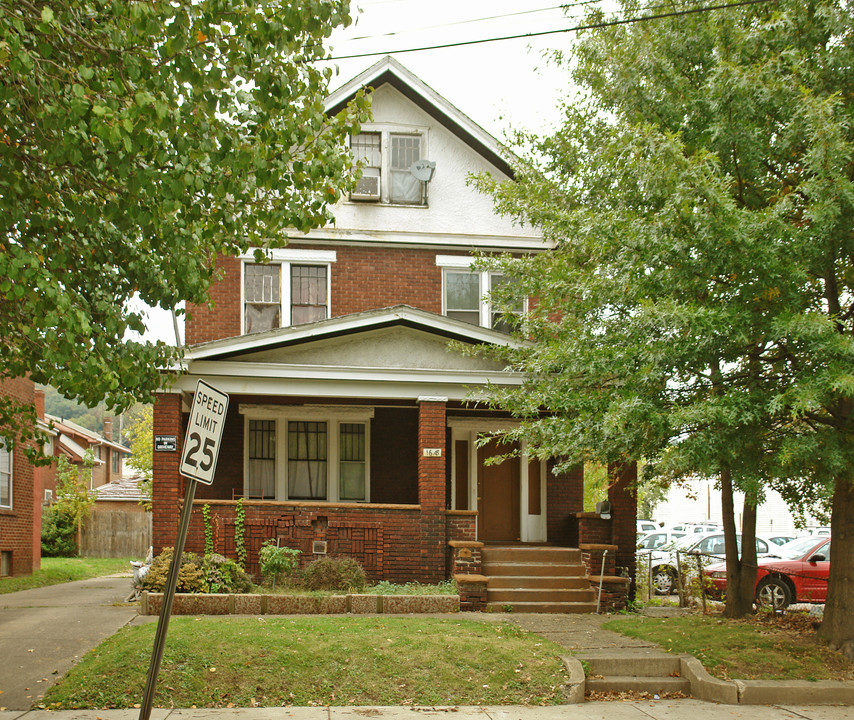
{"x": 575, "y": 28}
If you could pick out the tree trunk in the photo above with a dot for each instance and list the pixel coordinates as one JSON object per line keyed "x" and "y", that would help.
{"x": 837, "y": 628}
{"x": 740, "y": 574}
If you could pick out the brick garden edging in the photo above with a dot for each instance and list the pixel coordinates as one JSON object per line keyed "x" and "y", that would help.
{"x": 251, "y": 604}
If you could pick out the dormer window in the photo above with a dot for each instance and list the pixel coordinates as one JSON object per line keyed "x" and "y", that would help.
{"x": 387, "y": 159}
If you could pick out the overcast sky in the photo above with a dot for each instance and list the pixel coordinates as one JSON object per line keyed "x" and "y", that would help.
{"x": 498, "y": 84}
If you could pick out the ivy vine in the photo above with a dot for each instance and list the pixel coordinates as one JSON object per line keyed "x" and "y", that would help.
{"x": 206, "y": 517}
{"x": 240, "y": 533}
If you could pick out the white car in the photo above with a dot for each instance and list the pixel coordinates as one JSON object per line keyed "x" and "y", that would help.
{"x": 658, "y": 539}
{"x": 646, "y": 526}
{"x": 664, "y": 564}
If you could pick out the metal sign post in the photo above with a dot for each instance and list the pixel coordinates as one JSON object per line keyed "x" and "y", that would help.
{"x": 198, "y": 463}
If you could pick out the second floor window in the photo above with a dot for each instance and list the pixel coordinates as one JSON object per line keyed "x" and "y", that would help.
{"x": 466, "y": 298}
{"x": 5, "y": 476}
{"x": 279, "y": 294}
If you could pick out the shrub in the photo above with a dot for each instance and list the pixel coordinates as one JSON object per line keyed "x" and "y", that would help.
{"x": 211, "y": 573}
{"x": 341, "y": 574}
{"x": 59, "y": 532}
{"x": 277, "y": 562}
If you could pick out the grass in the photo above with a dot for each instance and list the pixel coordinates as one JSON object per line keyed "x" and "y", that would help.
{"x": 61, "y": 570}
{"x": 448, "y": 587}
{"x": 238, "y": 662}
{"x": 763, "y": 647}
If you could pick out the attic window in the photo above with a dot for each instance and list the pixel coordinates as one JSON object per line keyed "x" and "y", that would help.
{"x": 386, "y": 159}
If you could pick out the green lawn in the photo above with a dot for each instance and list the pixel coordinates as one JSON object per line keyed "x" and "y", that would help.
{"x": 61, "y": 570}
{"x": 758, "y": 648}
{"x": 319, "y": 660}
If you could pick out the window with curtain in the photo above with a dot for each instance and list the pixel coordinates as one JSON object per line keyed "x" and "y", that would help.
{"x": 308, "y": 294}
{"x": 262, "y": 459}
{"x": 404, "y": 187}
{"x": 5, "y": 476}
{"x": 307, "y": 460}
{"x": 351, "y": 461}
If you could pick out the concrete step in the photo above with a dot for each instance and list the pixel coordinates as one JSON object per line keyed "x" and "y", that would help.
{"x": 536, "y": 553}
{"x": 528, "y": 594}
{"x": 542, "y": 607}
{"x": 560, "y": 582}
{"x": 519, "y": 569}
{"x": 640, "y": 666}
{"x": 631, "y": 683}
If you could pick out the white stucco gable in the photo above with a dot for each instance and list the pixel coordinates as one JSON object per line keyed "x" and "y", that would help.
{"x": 395, "y": 352}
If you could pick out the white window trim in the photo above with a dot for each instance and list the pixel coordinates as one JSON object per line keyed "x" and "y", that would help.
{"x": 5, "y": 450}
{"x": 285, "y": 257}
{"x": 463, "y": 262}
{"x": 333, "y": 416}
{"x": 386, "y": 130}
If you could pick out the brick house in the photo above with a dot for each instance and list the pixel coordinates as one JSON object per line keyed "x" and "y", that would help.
{"x": 351, "y": 428}
{"x": 20, "y": 508}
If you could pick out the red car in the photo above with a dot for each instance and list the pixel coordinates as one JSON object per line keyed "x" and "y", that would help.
{"x": 797, "y": 573}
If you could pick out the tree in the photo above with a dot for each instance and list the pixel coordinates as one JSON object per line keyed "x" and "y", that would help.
{"x": 698, "y": 308}
{"x": 64, "y": 519}
{"x": 139, "y": 141}
{"x": 140, "y": 434}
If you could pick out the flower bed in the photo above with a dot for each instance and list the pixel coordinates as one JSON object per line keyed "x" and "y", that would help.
{"x": 258, "y": 604}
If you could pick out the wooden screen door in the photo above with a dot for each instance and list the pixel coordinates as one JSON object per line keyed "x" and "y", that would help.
{"x": 498, "y": 506}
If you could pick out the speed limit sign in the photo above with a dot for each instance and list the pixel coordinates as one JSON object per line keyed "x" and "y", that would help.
{"x": 204, "y": 432}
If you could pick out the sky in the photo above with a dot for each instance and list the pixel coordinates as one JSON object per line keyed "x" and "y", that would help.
{"x": 498, "y": 84}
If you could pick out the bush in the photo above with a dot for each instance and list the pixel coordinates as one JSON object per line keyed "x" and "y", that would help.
{"x": 59, "y": 532}
{"x": 211, "y": 573}
{"x": 342, "y": 574}
{"x": 277, "y": 562}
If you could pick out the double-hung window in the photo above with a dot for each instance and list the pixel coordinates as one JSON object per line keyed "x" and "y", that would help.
{"x": 5, "y": 476}
{"x": 291, "y": 289}
{"x": 308, "y": 454}
{"x": 387, "y": 159}
{"x": 466, "y": 294}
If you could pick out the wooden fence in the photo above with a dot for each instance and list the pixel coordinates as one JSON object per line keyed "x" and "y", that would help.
{"x": 116, "y": 533}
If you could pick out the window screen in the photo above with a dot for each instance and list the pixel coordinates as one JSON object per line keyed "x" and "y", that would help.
{"x": 404, "y": 186}
{"x": 5, "y": 476}
{"x": 262, "y": 297}
{"x": 366, "y": 148}
{"x": 462, "y": 296}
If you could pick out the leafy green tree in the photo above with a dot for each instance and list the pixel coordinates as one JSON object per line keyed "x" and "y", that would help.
{"x": 64, "y": 520}
{"x": 138, "y": 142}
{"x": 698, "y": 308}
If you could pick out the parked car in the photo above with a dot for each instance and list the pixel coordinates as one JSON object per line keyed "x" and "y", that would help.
{"x": 710, "y": 546}
{"x": 781, "y": 539}
{"x": 655, "y": 540}
{"x": 646, "y": 526}
{"x": 795, "y": 572}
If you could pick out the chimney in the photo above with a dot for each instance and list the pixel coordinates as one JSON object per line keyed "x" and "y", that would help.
{"x": 38, "y": 400}
{"x": 108, "y": 428}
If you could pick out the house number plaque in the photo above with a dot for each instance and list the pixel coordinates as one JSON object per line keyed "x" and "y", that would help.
{"x": 432, "y": 452}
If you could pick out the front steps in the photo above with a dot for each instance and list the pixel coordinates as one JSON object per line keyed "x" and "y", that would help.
{"x": 536, "y": 579}
{"x": 650, "y": 674}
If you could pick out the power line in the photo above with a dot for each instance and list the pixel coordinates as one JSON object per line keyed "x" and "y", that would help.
{"x": 576, "y": 28}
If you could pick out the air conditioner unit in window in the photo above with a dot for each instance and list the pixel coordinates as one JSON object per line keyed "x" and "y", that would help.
{"x": 368, "y": 186}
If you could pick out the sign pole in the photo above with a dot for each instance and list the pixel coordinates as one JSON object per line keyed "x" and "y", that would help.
{"x": 166, "y": 606}
{"x": 198, "y": 464}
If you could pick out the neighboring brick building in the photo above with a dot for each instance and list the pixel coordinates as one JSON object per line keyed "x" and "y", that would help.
{"x": 350, "y": 428}
{"x": 19, "y": 513}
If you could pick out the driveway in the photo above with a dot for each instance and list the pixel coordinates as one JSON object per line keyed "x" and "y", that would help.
{"x": 43, "y": 632}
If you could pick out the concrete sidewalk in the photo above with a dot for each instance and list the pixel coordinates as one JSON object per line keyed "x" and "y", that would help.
{"x": 646, "y": 710}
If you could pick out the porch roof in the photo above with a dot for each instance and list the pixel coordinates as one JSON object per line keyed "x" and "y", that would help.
{"x": 397, "y": 352}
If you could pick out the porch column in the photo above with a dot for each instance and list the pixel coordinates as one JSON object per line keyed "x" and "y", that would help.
{"x": 431, "y": 485}
{"x": 167, "y": 486}
{"x": 623, "y": 496}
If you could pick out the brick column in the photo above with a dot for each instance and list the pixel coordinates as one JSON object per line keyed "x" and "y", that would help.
{"x": 622, "y": 494}
{"x": 168, "y": 486}
{"x": 431, "y": 486}
{"x": 565, "y": 497}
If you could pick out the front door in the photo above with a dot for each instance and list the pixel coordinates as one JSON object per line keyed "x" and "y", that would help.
{"x": 497, "y": 495}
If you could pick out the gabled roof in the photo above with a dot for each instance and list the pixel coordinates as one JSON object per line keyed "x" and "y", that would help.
{"x": 76, "y": 439}
{"x": 397, "y": 316}
{"x": 390, "y": 71}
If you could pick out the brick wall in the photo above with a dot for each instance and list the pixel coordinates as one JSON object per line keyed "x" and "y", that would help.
{"x": 565, "y": 497}
{"x": 168, "y": 485}
{"x": 431, "y": 489}
{"x": 17, "y": 524}
{"x": 362, "y": 278}
{"x": 380, "y": 537}
{"x": 622, "y": 494}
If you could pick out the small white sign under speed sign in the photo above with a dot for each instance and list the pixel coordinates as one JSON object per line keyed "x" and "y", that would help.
{"x": 204, "y": 432}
